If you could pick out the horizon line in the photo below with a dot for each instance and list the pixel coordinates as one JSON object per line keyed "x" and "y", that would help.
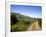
{"x": 28, "y": 15}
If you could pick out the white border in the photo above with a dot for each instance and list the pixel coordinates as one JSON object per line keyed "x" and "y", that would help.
{"x": 8, "y": 33}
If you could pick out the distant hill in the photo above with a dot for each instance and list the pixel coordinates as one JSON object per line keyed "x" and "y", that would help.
{"x": 23, "y": 17}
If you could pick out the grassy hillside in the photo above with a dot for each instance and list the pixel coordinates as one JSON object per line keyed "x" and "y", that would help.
{"x": 23, "y": 22}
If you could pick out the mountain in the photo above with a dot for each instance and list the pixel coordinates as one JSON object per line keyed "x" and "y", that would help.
{"x": 23, "y": 17}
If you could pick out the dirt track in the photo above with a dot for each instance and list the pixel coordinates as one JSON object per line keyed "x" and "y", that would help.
{"x": 34, "y": 27}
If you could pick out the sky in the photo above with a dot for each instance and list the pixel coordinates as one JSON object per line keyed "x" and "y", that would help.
{"x": 28, "y": 10}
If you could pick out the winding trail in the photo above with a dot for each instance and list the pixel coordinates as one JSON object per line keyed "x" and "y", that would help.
{"x": 34, "y": 27}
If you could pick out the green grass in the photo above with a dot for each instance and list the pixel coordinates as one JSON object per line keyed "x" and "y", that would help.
{"x": 20, "y": 26}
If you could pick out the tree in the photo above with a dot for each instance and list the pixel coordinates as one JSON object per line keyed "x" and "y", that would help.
{"x": 13, "y": 19}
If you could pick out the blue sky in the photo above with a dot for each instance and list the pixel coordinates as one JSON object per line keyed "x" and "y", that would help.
{"x": 28, "y": 10}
